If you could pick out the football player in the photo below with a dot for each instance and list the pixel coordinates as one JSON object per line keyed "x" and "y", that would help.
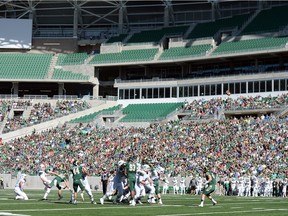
{"x": 110, "y": 188}
{"x": 182, "y": 186}
{"x": 209, "y": 188}
{"x": 165, "y": 185}
{"x": 156, "y": 173}
{"x": 77, "y": 174}
{"x": 86, "y": 185}
{"x": 59, "y": 177}
{"x": 118, "y": 184}
{"x": 19, "y": 188}
{"x": 43, "y": 176}
{"x": 130, "y": 173}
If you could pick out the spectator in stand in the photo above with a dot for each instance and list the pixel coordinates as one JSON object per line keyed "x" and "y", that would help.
{"x": 238, "y": 147}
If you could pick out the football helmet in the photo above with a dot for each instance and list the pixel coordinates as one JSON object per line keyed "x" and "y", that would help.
{"x": 75, "y": 162}
{"x": 121, "y": 162}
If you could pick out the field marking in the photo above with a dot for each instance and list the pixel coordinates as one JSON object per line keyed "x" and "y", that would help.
{"x": 92, "y": 208}
{"x": 236, "y": 207}
{"x": 237, "y": 203}
{"x": 228, "y": 212}
{"x": 24, "y": 202}
{"x": 13, "y": 199}
{"x": 11, "y": 214}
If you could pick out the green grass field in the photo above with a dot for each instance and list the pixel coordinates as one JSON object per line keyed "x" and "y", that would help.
{"x": 174, "y": 205}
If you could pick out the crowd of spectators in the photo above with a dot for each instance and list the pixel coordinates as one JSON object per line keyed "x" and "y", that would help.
{"x": 231, "y": 147}
{"x": 202, "y": 107}
{"x": 42, "y": 112}
{"x": 6, "y": 105}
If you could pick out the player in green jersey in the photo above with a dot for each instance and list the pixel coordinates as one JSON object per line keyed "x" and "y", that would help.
{"x": 209, "y": 188}
{"x": 59, "y": 177}
{"x": 130, "y": 173}
{"x": 156, "y": 176}
{"x": 77, "y": 174}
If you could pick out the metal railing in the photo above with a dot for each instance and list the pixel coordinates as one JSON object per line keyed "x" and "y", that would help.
{"x": 8, "y": 96}
{"x": 40, "y": 97}
{"x": 65, "y": 97}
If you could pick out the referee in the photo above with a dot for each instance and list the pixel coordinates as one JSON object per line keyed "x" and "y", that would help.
{"x": 104, "y": 180}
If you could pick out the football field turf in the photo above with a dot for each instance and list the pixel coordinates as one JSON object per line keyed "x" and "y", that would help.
{"x": 174, "y": 205}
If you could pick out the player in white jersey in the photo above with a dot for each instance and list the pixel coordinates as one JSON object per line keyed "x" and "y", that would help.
{"x": 175, "y": 185}
{"x": 118, "y": 182}
{"x": 247, "y": 186}
{"x": 268, "y": 188}
{"x": 262, "y": 186}
{"x": 255, "y": 186}
{"x": 233, "y": 186}
{"x": 110, "y": 188}
{"x": 149, "y": 186}
{"x": 19, "y": 188}
{"x": 240, "y": 186}
{"x": 142, "y": 178}
{"x": 199, "y": 185}
{"x": 284, "y": 190}
{"x": 165, "y": 186}
{"x": 43, "y": 176}
{"x": 182, "y": 186}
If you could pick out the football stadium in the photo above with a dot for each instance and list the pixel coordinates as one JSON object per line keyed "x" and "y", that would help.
{"x": 127, "y": 107}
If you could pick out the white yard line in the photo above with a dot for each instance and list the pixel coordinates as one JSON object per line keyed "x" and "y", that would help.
{"x": 89, "y": 208}
{"x": 228, "y": 212}
{"x": 11, "y": 214}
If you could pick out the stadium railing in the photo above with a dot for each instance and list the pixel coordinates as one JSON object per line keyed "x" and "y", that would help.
{"x": 41, "y": 97}
{"x": 66, "y": 97}
{"x": 8, "y": 96}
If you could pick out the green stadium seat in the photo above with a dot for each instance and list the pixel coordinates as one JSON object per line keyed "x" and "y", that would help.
{"x": 185, "y": 52}
{"x": 251, "y": 45}
{"x": 24, "y": 66}
{"x": 60, "y": 74}
{"x": 124, "y": 56}
{"x": 148, "y": 112}
{"x": 71, "y": 59}
{"x": 90, "y": 117}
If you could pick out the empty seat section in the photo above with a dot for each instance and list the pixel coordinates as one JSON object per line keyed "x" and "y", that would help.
{"x": 90, "y": 117}
{"x": 125, "y": 56}
{"x": 251, "y": 45}
{"x": 148, "y": 112}
{"x": 185, "y": 52}
{"x": 71, "y": 59}
{"x": 209, "y": 29}
{"x": 271, "y": 20}
{"x": 24, "y": 66}
{"x": 60, "y": 74}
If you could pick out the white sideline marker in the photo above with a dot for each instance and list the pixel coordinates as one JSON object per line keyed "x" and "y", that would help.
{"x": 11, "y": 214}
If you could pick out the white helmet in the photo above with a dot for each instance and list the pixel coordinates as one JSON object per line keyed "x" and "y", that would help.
{"x": 121, "y": 162}
{"x": 146, "y": 167}
{"x": 23, "y": 175}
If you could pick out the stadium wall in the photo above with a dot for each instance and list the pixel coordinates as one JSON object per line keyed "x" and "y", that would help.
{"x": 58, "y": 45}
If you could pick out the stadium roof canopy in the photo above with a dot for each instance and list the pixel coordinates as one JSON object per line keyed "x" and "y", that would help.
{"x": 118, "y": 16}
